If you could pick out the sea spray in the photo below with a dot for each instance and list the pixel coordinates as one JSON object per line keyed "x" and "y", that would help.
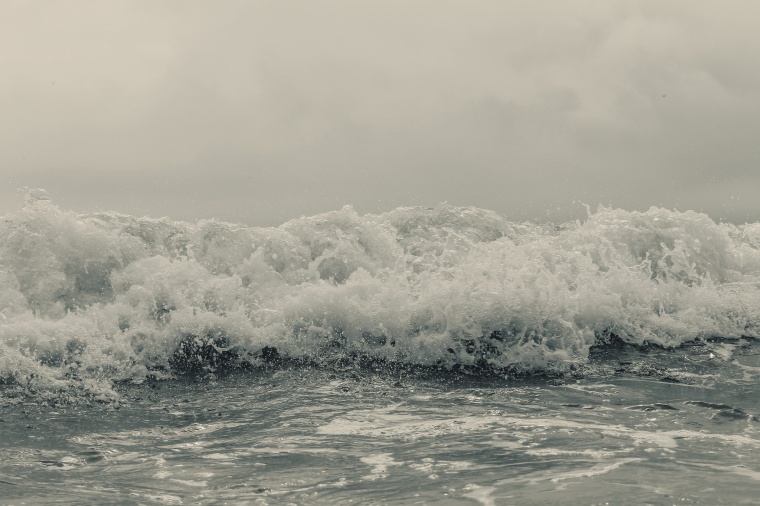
{"x": 88, "y": 300}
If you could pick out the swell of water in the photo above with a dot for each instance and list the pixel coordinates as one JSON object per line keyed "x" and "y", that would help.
{"x": 89, "y": 300}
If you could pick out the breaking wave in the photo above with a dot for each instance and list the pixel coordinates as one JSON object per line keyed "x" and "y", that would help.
{"x": 89, "y": 300}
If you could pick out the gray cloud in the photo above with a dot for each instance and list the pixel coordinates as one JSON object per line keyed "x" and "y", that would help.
{"x": 263, "y": 111}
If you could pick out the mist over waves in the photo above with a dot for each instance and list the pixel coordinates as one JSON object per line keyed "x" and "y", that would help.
{"x": 89, "y": 300}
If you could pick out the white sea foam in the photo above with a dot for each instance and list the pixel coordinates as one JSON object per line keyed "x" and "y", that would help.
{"x": 86, "y": 300}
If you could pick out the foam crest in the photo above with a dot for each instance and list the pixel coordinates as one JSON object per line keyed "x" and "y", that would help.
{"x": 86, "y": 300}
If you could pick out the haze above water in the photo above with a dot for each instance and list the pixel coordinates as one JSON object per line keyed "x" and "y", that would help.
{"x": 260, "y": 112}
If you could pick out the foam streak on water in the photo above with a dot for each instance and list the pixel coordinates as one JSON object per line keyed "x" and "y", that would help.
{"x": 313, "y": 437}
{"x": 89, "y": 300}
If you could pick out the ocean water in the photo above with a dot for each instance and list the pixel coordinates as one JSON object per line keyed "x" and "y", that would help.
{"x": 423, "y": 356}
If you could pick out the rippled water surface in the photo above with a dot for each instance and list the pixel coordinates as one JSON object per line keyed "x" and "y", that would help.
{"x": 657, "y": 427}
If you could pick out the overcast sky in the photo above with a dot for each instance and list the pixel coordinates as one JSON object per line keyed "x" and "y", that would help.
{"x": 262, "y": 111}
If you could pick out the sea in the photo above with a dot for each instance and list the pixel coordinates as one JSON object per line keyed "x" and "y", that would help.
{"x": 441, "y": 355}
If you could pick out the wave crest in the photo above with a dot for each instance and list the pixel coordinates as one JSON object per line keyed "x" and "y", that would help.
{"x": 92, "y": 299}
